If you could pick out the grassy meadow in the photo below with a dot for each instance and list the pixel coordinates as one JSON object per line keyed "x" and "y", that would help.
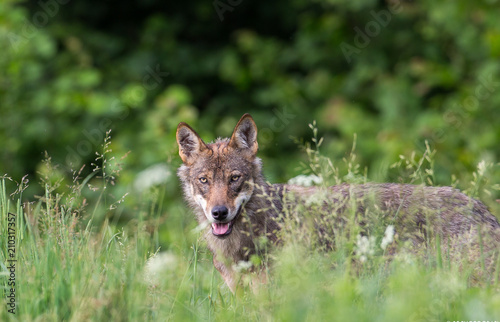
{"x": 75, "y": 264}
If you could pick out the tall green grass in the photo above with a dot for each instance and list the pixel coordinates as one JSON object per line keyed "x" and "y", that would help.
{"x": 76, "y": 264}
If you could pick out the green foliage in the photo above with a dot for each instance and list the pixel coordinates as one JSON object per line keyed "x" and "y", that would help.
{"x": 414, "y": 72}
{"x": 388, "y": 76}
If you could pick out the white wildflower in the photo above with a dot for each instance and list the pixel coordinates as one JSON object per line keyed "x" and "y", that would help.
{"x": 242, "y": 266}
{"x": 365, "y": 247}
{"x": 154, "y": 175}
{"x": 481, "y": 168}
{"x": 306, "y": 181}
{"x": 388, "y": 237}
{"x": 158, "y": 264}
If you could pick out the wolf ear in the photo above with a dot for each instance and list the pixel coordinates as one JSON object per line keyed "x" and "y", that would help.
{"x": 245, "y": 135}
{"x": 190, "y": 143}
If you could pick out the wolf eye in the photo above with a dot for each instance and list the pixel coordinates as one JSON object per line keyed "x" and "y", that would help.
{"x": 235, "y": 178}
{"x": 203, "y": 180}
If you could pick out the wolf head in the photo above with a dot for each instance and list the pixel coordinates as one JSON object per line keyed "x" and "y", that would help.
{"x": 219, "y": 178}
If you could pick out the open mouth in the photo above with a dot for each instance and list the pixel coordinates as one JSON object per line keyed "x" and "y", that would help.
{"x": 223, "y": 229}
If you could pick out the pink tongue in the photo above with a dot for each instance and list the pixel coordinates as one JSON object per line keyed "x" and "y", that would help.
{"x": 220, "y": 229}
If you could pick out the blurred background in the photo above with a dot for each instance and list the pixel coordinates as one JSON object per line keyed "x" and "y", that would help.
{"x": 395, "y": 73}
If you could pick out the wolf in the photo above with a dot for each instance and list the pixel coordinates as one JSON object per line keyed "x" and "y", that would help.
{"x": 224, "y": 185}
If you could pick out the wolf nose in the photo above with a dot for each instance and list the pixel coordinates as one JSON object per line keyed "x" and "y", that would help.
{"x": 219, "y": 212}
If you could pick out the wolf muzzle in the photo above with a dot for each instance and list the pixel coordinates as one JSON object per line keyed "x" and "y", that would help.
{"x": 220, "y": 228}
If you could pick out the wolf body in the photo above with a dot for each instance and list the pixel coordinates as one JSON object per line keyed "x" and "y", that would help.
{"x": 223, "y": 183}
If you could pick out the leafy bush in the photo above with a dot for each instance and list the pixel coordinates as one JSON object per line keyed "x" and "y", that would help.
{"x": 414, "y": 71}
